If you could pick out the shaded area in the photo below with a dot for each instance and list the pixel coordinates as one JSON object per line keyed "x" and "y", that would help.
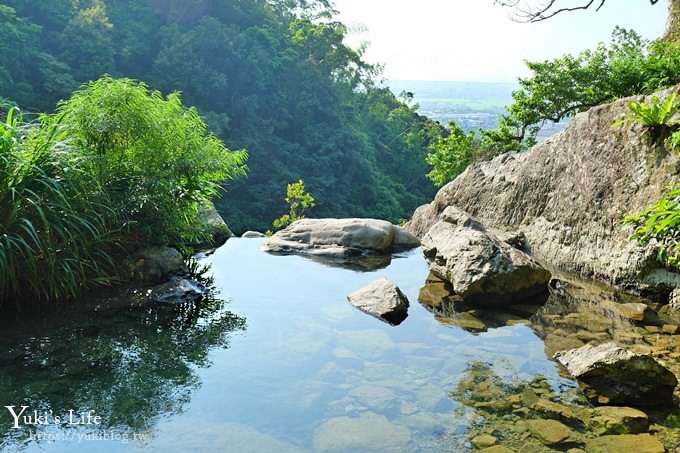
{"x": 438, "y": 297}
{"x": 128, "y": 360}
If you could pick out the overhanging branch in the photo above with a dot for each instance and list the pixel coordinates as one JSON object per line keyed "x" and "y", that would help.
{"x": 549, "y": 9}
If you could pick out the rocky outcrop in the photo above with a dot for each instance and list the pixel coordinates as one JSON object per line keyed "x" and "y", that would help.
{"x": 613, "y": 375}
{"x": 381, "y": 299}
{"x": 481, "y": 268}
{"x": 568, "y": 195}
{"x": 340, "y": 238}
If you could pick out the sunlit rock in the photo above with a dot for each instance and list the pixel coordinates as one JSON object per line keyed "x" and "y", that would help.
{"x": 340, "y": 238}
{"x": 481, "y": 268}
{"x": 615, "y": 375}
{"x": 381, "y": 299}
{"x": 568, "y": 195}
{"x": 253, "y": 235}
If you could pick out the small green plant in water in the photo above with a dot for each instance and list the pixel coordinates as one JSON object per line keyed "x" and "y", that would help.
{"x": 299, "y": 201}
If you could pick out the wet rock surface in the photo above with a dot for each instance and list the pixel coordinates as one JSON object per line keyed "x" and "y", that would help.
{"x": 577, "y": 313}
{"x": 615, "y": 375}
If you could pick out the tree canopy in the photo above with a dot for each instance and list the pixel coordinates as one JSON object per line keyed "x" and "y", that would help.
{"x": 273, "y": 77}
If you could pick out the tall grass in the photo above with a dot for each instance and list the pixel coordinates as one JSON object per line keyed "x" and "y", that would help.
{"x": 55, "y": 233}
{"x": 118, "y": 166}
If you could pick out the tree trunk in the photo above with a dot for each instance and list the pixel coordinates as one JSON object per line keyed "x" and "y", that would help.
{"x": 672, "y": 32}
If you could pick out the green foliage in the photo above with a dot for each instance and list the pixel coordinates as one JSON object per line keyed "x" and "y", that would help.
{"x": 656, "y": 116}
{"x": 118, "y": 166}
{"x": 299, "y": 200}
{"x": 660, "y": 223}
{"x": 560, "y": 88}
{"x": 151, "y": 154}
{"x": 450, "y": 155}
{"x": 274, "y": 77}
{"x": 56, "y": 230}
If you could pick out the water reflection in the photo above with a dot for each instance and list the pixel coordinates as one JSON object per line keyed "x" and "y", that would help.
{"x": 118, "y": 358}
{"x": 449, "y": 309}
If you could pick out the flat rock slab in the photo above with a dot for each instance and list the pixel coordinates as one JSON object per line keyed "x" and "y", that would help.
{"x": 638, "y": 443}
{"x": 618, "y": 420}
{"x": 340, "y": 238}
{"x": 482, "y": 269}
{"x": 383, "y": 300}
{"x": 615, "y": 375}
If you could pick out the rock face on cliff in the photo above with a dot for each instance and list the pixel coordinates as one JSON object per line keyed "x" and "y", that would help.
{"x": 568, "y": 196}
{"x": 481, "y": 268}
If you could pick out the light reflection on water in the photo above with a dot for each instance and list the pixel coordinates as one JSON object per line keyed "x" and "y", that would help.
{"x": 287, "y": 364}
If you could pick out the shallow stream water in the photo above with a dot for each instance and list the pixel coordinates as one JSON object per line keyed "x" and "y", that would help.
{"x": 276, "y": 360}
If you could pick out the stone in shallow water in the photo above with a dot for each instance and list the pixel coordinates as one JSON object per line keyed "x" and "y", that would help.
{"x": 383, "y": 300}
{"x": 618, "y": 376}
{"x": 484, "y": 440}
{"x": 552, "y": 432}
{"x": 618, "y": 420}
{"x": 638, "y": 443}
{"x": 368, "y": 432}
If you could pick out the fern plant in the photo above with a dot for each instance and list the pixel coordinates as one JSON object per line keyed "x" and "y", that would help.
{"x": 657, "y": 116}
{"x": 660, "y": 222}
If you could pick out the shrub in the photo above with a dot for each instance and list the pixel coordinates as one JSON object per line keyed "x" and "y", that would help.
{"x": 55, "y": 226}
{"x": 151, "y": 154}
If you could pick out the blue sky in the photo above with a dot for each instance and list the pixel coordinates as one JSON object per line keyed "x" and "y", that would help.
{"x": 474, "y": 40}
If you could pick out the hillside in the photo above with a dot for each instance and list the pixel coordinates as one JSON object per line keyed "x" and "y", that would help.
{"x": 272, "y": 77}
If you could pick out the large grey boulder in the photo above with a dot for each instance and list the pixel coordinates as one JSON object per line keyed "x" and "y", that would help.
{"x": 340, "y": 238}
{"x": 613, "y": 375}
{"x": 569, "y": 193}
{"x": 481, "y": 268}
{"x": 381, "y": 299}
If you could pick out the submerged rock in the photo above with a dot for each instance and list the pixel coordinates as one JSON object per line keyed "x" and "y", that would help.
{"x": 618, "y": 420}
{"x": 340, "y": 238}
{"x": 481, "y": 268}
{"x": 611, "y": 374}
{"x": 552, "y": 432}
{"x": 638, "y": 443}
{"x": 177, "y": 292}
{"x": 383, "y": 300}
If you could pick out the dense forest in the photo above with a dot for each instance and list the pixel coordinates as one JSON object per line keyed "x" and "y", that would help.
{"x": 269, "y": 76}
